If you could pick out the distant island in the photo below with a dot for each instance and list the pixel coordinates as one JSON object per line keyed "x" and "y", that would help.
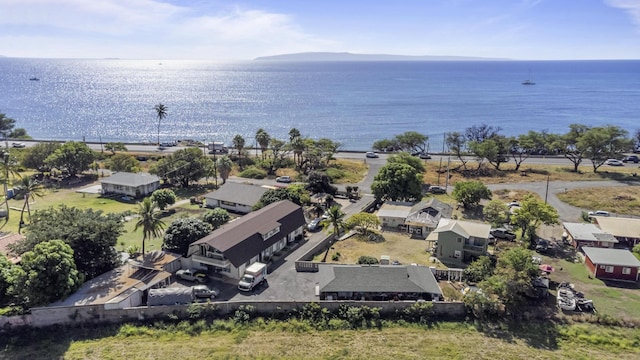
{"x": 346, "y": 56}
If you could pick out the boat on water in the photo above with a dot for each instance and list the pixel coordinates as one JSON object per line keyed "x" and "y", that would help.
{"x": 528, "y": 82}
{"x": 33, "y": 78}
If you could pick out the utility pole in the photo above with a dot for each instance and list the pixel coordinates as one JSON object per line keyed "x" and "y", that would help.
{"x": 547, "y": 190}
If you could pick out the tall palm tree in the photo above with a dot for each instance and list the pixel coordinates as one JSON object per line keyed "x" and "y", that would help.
{"x": 8, "y": 165}
{"x": 336, "y": 219}
{"x": 30, "y": 188}
{"x": 262, "y": 139}
{"x": 149, "y": 220}
{"x": 161, "y": 113}
{"x": 238, "y": 144}
{"x": 224, "y": 166}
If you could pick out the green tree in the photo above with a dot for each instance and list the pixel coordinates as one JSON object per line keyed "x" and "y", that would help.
{"x": 412, "y": 141}
{"x": 91, "y": 234}
{"x": 570, "y": 146}
{"x": 161, "y": 114}
{"x": 74, "y": 157}
{"x": 469, "y": 193}
{"x": 164, "y": 198}
{"x": 35, "y": 156}
{"x": 456, "y": 142}
{"x": 336, "y": 220}
{"x": 479, "y": 269}
{"x": 9, "y": 169}
{"x": 7, "y": 279}
{"x": 494, "y": 150}
{"x": 406, "y": 158}
{"x": 6, "y": 127}
{"x": 149, "y": 221}
{"x": 531, "y": 214}
{"x": 224, "y": 166}
{"x": 183, "y": 167}
{"x": 182, "y": 232}
{"x": 318, "y": 182}
{"x": 123, "y": 163}
{"x": 364, "y": 260}
{"x": 397, "y": 181}
{"x": 496, "y": 212}
{"x": 602, "y": 143}
{"x": 278, "y": 194}
{"x": 238, "y": 144}
{"x": 50, "y": 273}
{"x": 363, "y": 222}
{"x": 385, "y": 145}
{"x": 262, "y": 140}
{"x": 216, "y": 217}
{"x": 29, "y": 189}
{"x": 115, "y": 146}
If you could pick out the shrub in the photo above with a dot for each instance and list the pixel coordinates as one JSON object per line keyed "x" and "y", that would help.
{"x": 334, "y": 174}
{"x": 367, "y": 260}
{"x": 253, "y": 173}
{"x": 243, "y": 314}
{"x": 419, "y": 312}
{"x": 335, "y": 257}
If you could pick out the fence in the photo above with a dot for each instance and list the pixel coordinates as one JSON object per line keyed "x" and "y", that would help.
{"x": 75, "y": 315}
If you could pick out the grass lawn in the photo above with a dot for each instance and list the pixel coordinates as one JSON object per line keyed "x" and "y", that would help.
{"x": 296, "y": 340}
{"x": 397, "y": 245}
{"x": 620, "y": 200}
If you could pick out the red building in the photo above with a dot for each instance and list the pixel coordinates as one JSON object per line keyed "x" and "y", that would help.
{"x": 611, "y": 264}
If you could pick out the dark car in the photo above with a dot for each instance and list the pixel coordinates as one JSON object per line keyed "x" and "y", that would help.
{"x": 437, "y": 190}
{"x": 503, "y": 234}
{"x": 542, "y": 245}
{"x": 631, "y": 158}
{"x": 424, "y": 156}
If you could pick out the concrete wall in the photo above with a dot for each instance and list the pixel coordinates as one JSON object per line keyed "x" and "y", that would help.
{"x": 72, "y": 315}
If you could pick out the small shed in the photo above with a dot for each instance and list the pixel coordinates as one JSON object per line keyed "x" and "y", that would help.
{"x": 611, "y": 264}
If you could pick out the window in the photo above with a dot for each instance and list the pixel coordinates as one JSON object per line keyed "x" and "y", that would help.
{"x": 459, "y": 240}
{"x": 271, "y": 233}
{"x": 626, "y": 271}
{"x": 608, "y": 269}
{"x": 457, "y": 254}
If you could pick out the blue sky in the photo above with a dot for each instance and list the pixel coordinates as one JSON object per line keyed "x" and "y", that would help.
{"x": 236, "y": 30}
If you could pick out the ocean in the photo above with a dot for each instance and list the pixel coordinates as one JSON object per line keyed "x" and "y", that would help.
{"x": 354, "y": 103}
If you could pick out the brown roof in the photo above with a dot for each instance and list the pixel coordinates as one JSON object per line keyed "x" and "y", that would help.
{"x": 241, "y": 240}
{"x": 6, "y": 240}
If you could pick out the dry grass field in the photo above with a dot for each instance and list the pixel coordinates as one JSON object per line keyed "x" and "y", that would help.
{"x": 621, "y": 200}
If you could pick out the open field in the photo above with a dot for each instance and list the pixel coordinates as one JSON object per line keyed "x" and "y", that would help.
{"x": 620, "y": 200}
{"x": 296, "y": 340}
{"x": 533, "y": 173}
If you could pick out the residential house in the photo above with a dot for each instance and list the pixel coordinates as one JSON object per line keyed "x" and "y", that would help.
{"x": 126, "y": 285}
{"x": 625, "y": 230}
{"x": 235, "y": 197}
{"x": 417, "y": 219}
{"x": 611, "y": 264}
{"x": 130, "y": 184}
{"x": 7, "y": 240}
{"x": 377, "y": 282}
{"x": 253, "y": 237}
{"x": 460, "y": 241}
{"x": 584, "y": 234}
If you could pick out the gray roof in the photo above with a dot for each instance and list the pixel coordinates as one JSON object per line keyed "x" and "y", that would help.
{"x": 244, "y": 194}
{"x": 377, "y": 278}
{"x": 130, "y": 179}
{"x": 617, "y": 257}
{"x": 588, "y": 232}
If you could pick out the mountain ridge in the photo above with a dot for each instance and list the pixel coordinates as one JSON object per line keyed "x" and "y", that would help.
{"x": 347, "y": 56}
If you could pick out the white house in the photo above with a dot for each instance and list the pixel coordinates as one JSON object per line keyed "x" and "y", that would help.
{"x": 130, "y": 184}
{"x": 236, "y": 197}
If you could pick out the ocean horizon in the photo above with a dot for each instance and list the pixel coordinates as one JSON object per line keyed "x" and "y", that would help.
{"x": 352, "y": 102}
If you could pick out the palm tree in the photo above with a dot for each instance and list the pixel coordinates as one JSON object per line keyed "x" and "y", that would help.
{"x": 30, "y": 188}
{"x": 161, "y": 113}
{"x": 224, "y": 166}
{"x": 149, "y": 220}
{"x": 238, "y": 144}
{"x": 336, "y": 219}
{"x": 263, "y": 138}
{"x": 8, "y": 165}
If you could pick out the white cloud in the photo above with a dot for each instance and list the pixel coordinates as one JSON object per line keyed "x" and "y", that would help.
{"x": 632, "y": 7}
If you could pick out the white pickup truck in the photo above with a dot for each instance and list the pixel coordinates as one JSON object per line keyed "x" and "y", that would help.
{"x": 192, "y": 275}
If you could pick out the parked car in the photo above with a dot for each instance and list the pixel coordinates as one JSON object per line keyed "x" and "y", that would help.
{"x": 283, "y": 179}
{"x": 598, "y": 213}
{"x": 614, "y": 162}
{"x": 513, "y": 204}
{"x": 204, "y": 292}
{"x": 191, "y": 275}
{"x": 424, "y": 156}
{"x": 18, "y": 144}
{"x": 631, "y": 158}
{"x": 501, "y": 233}
{"x": 437, "y": 190}
{"x": 315, "y": 224}
{"x": 371, "y": 154}
{"x": 542, "y": 245}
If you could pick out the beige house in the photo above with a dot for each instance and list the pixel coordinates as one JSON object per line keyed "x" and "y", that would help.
{"x": 130, "y": 184}
{"x": 625, "y": 230}
{"x": 418, "y": 219}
